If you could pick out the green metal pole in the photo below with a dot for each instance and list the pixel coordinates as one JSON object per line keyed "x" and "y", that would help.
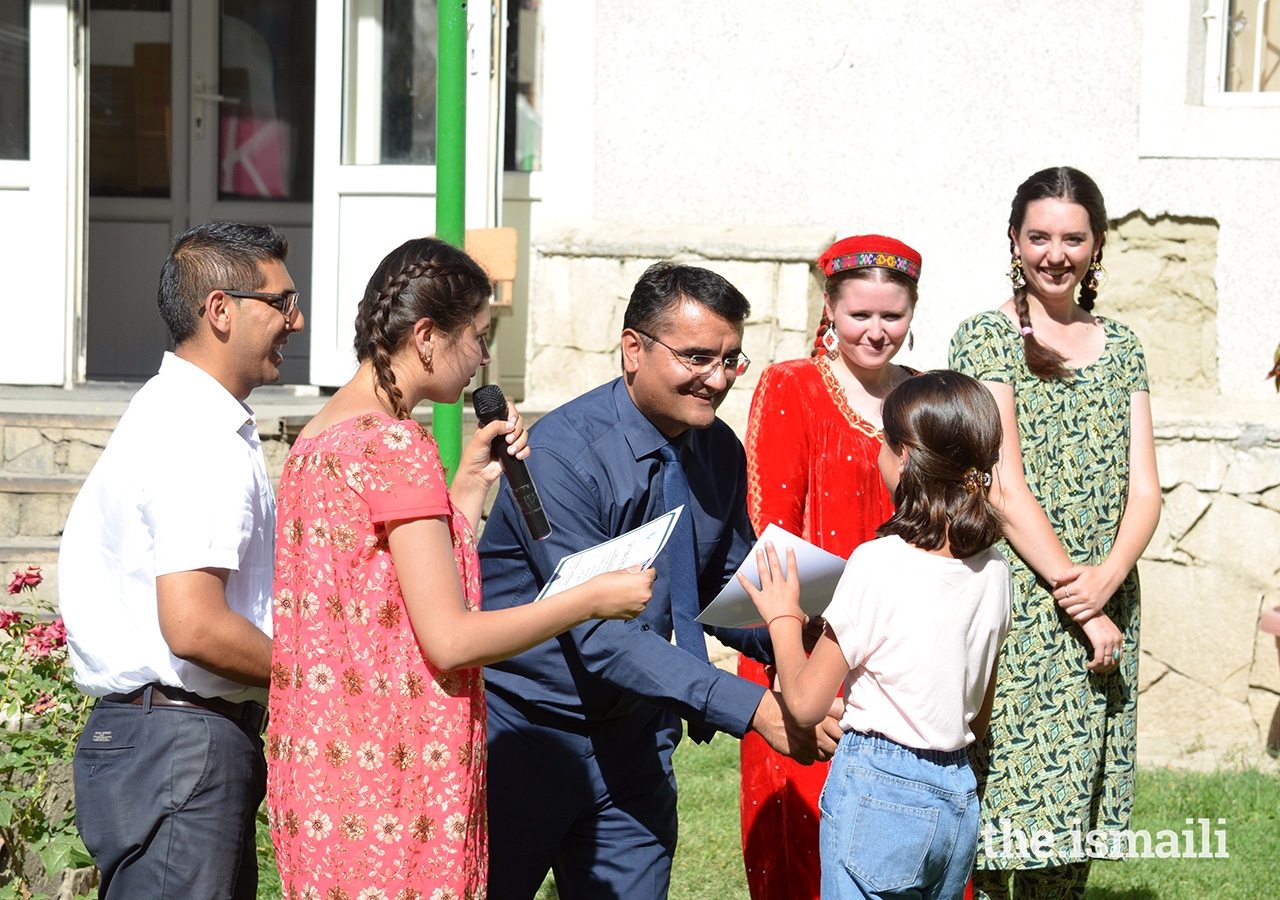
{"x": 451, "y": 172}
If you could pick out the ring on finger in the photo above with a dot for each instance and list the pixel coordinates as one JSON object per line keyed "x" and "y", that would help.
{"x": 1115, "y": 656}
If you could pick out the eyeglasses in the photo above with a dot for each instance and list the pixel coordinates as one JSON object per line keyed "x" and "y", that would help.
{"x": 286, "y": 303}
{"x": 705, "y": 366}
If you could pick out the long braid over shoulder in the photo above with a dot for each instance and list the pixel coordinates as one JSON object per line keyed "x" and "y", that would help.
{"x": 1073, "y": 186}
{"x": 422, "y": 278}
{"x": 1044, "y": 362}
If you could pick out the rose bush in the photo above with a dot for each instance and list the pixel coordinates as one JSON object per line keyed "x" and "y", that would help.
{"x": 41, "y": 716}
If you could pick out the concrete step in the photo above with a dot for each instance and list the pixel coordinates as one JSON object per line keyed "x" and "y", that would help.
{"x": 11, "y": 483}
{"x": 29, "y": 550}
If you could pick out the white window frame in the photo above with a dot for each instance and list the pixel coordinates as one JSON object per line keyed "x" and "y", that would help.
{"x": 1216, "y": 18}
{"x": 362, "y": 211}
{"x": 1177, "y": 116}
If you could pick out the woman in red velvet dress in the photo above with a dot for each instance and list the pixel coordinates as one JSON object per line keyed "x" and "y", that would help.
{"x": 813, "y": 437}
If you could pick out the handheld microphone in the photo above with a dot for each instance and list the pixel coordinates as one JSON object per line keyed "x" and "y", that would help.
{"x": 490, "y": 405}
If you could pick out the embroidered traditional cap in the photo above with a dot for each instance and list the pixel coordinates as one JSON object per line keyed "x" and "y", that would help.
{"x": 870, "y": 250}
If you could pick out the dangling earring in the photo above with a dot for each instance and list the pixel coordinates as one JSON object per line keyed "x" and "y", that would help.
{"x": 911, "y": 339}
{"x": 1091, "y": 276}
{"x": 1016, "y": 274}
{"x": 425, "y": 354}
{"x": 831, "y": 342}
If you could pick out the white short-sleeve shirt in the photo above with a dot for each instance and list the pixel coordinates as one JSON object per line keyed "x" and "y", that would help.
{"x": 920, "y": 633}
{"x": 181, "y": 485}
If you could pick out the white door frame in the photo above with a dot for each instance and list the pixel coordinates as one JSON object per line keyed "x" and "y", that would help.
{"x": 41, "y": 201}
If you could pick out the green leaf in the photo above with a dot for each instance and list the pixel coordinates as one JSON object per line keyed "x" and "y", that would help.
{"x": 56, "y": 856}
{"x": 6, "y": 812}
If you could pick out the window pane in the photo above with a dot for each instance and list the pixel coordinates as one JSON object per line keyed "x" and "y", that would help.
{"x": 1253, "y": 64}
{"x": 266, "y": 124}
{"x": 15, "y": 79}
{"x": 523, "y": 140}
{"x": 130, "y": 112}
{"x": 389, "y": 113}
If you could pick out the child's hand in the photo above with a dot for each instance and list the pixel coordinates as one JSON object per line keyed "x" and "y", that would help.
{"x": 777, "y": 595}
{"x": 622, "y": 594}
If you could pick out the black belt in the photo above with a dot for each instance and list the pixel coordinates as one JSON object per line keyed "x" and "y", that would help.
{"x": 248, "y": 714}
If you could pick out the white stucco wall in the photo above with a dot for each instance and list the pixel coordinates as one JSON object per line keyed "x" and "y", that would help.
{"x": 913, "y": 118}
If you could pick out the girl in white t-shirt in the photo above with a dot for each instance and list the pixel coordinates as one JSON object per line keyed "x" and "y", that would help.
{"x": 914, "y": 631}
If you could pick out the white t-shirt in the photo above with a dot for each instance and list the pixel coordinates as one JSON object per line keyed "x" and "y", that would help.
{"x": 181, "y": 485}
{"x": 920, "y": 633}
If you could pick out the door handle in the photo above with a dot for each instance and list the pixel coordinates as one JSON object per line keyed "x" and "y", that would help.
{"x": 198, "y": 120}
{"x": 215, "y": 98}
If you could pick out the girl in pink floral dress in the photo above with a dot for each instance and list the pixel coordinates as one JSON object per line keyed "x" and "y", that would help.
{"x": 376, "y": 750}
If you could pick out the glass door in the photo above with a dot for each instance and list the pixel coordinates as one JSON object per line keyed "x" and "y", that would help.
{"x": 198, "y": 111}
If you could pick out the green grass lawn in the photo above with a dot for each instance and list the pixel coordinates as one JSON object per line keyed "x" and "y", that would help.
{"x": 708, "y": 864}
{"x": 1250, "y": 803}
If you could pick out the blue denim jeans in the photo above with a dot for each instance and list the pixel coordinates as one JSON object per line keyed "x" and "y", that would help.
{"x": 897, "y": 822}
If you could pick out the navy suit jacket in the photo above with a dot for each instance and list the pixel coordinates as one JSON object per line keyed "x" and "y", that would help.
{"x": 597, "y": 467}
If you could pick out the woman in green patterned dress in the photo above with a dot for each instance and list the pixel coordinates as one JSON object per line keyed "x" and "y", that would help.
{"x": 1077, "y": 486}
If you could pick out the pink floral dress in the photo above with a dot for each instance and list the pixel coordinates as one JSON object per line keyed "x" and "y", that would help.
{"x": 375, "y": 787}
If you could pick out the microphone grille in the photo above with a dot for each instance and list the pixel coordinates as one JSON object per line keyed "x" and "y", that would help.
{"x": 489, "y": 403}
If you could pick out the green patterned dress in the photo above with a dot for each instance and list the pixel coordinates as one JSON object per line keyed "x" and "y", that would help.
{"x": 1059, "y": 756}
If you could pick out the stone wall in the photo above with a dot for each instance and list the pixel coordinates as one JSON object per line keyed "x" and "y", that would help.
{"x": 1209, "y": 681}
{"x": 45, "y": 461}
{"x": 1161, "y": 284}
{"x": 46, "y": 458}
{"x": 582, "y": 279}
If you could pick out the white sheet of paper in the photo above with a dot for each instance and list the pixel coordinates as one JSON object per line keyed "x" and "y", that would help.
{"x": 640, "y": 546}
{"x": 820, "y": 571}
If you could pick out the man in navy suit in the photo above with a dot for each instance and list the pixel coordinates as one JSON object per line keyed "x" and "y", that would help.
{"x": 582, "y": 727}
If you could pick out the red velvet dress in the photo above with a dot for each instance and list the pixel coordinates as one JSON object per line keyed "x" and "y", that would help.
{"x": 811, "y": 467}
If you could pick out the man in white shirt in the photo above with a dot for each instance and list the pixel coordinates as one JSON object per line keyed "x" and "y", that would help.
{"x": 165, "y": 585}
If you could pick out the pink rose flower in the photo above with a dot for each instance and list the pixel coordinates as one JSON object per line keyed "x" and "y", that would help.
{"x": 45, "y": 637}
{"x": 42, "y": 705}
{"x": 29, "y": 578}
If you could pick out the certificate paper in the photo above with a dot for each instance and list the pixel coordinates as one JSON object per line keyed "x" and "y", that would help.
{"x": 640, "y": 546}
{"x": 820, "y": 571}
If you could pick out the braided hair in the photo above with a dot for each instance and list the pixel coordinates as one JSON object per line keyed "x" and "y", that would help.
{"x": 422, "y": 278}
{"x": 1073, "y": 186}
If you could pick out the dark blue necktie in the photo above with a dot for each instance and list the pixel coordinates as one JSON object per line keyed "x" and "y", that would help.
{"x": 682, "y": 574}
